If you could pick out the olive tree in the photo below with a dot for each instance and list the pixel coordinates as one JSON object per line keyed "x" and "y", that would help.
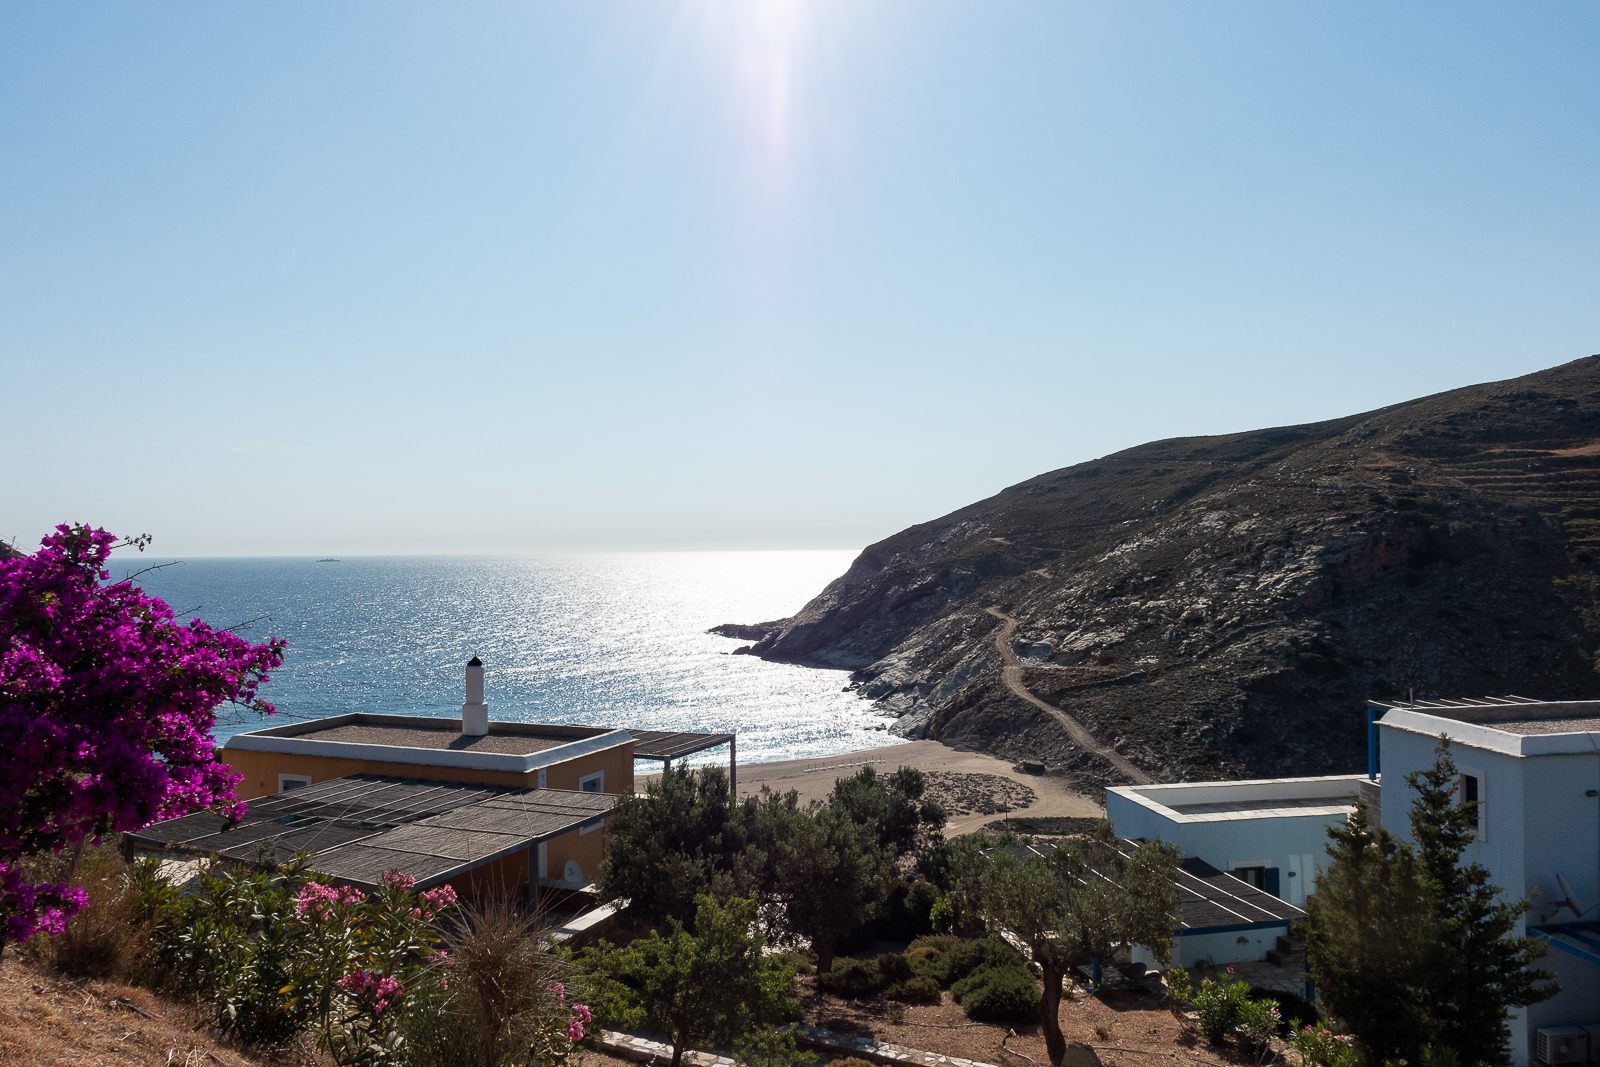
{"x": 1090, "y": 898}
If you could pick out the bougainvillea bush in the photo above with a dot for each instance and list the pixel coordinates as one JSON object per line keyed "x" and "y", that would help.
{"x": 107, "y": 704}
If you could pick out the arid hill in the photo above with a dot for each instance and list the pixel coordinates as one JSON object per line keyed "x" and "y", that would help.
{"x": 1223, "y": 606}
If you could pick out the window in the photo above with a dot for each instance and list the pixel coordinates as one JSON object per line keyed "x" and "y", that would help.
{"x": 287, "y": 782}
{"x": 1472, "y": 793}
{"x": 1250, "y": 875}
{"x": 592, "y": 783}
{"x": 1260, "y": 874}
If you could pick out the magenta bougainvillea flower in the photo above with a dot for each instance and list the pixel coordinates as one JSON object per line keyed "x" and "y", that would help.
{"x": 107, "y": 705}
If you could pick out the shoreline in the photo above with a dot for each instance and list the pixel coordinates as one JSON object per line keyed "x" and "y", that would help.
{"x": 813, "y": 779}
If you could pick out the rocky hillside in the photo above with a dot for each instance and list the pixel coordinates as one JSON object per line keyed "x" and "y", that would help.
{"x": 1223, "y": 606}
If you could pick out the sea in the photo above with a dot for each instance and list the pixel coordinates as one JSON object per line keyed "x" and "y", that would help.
{"x": 613, "y": 639}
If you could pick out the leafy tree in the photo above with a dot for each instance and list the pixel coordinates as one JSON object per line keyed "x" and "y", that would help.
{"x": 109, "y": 703}
{"x": 1092, "y": 897}
{"x": 826, "y": 873}
{"x": 958, "y": 867}
{"x": 1369, "y": 941}
{"x": 685, "y": 837}
{"x": 713, "y": 986}
{"x": 1479, "y": 969}
{"x": 892, "y": 808}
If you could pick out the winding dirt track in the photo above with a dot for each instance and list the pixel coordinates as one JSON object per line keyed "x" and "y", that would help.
{"x": 1011, "y": 675}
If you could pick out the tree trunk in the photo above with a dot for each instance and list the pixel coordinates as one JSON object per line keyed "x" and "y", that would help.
{"x": 1055, "y": 1045}
{"x": 824, "y": 956}
{"x": 677, "y": 1050}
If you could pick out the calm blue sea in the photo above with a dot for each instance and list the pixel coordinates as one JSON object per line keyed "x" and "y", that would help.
{"x": 607, "y": 639}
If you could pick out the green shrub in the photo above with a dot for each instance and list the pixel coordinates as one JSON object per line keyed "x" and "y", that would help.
{"x": 852, "y": 1061}
{"x": 800, "y": 962}
{"x": 942, "y": 917}
{"x": 1001, "y": 995}
{"x": 851, "y": 978}
{"x": 970, "y": 956}
{"x": 919, "y": 989}
{"x": 1219, "y": 1005}
{"x": 1297, "y": 1011}
{"x": 894, "y": 967}
{"x": 1258, "y": 1023}
{"x": 1319, "y": 1046}
{"x": 933, "y": 944}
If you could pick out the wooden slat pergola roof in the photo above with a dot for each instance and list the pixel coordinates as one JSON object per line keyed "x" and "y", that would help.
{"x": 670, "y": 745}
{"x": 361, "y": 826}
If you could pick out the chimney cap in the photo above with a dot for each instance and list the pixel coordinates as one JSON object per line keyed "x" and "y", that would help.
{"x": 475, "y": 662}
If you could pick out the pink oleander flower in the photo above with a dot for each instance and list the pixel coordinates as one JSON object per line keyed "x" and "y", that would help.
{"x": 440, "y": 897}
{"x": 398, "y": 880}
{"x": 579, "y": 1018}
{"x": 317, "y": 901}
{"x": 383, "y": 990}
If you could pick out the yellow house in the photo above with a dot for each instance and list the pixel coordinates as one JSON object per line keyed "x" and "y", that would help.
{"x": 511, "y": 755}
{"x": 504, "y": 807}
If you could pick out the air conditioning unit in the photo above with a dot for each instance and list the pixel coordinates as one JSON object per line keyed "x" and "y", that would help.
{"x": 1561, "y": 1044}
{"x": 1593, "y": 1031}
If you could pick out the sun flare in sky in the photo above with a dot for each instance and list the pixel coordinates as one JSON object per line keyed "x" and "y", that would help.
{"x": 747, "y": 273}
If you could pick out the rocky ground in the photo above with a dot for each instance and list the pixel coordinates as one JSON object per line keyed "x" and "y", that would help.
{"x": 1224, "y": 607}
{"x": 981, "y": 794}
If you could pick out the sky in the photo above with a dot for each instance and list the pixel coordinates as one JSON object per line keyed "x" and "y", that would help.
{"x": 392, "y": 278}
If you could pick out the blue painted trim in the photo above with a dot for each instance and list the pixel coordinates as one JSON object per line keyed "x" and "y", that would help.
{"x": 1564, "y": 946}
{"x": 1585, "y": 933}
{"x": 1232, "y": 929}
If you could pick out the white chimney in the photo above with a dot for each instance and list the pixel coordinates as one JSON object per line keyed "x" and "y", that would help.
{"x": 474, "y": 713}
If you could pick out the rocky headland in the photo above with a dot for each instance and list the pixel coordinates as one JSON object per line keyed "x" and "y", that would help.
{"x": 1224, "y": 606}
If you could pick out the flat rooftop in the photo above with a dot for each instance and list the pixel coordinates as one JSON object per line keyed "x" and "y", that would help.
{"x": 518, "y": 747}
{"x": 1260, "y": 798}
{"x": 1518, "y": 726}
{"x": 424, "y": 737}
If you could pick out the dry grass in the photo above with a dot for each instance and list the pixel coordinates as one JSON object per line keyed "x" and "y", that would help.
{"x": 47, "y": 1020}
{"x": 1138, "y": 1028}
{"x": 105, "y": 939}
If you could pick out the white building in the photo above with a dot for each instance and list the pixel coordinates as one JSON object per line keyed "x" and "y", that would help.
{"x": 1534, "y": 770}
{"x": 1270, "y": 833}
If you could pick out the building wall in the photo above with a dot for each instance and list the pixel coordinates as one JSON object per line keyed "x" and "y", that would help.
{"x": 506, "y": 876}
{"x": 261, "y": 770}
{"x": 587, "y": 849}
{"x": 617, "y": 763}
{"x": 1220, "y": 949}
{"x": 1539, "y": 823}
{"x": 1296, "y": 845}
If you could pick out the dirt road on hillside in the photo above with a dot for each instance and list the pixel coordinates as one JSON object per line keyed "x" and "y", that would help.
{"x": 1011, "y": 675}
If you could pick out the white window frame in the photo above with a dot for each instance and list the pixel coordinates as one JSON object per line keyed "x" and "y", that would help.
{"x": 302, "y": 779}
{"x": 599, "y": 778}
{"x": 1481, "y": 831}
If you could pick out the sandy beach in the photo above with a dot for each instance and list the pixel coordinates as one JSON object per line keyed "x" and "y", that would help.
{"x": 960, "y": 780}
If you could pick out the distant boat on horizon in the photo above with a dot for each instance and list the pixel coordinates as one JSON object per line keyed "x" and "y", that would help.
{"x": 327, "y": 561}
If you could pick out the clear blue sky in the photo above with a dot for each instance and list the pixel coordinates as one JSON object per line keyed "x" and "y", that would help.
{"x": 366, "y": 278}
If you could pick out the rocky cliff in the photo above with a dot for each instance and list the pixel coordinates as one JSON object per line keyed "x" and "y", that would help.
{"x": 1223, "y": 606}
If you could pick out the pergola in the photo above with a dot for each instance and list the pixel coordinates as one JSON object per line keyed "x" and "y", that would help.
{"x": 358, "y": 827}
{"x": 668, "y": 745}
